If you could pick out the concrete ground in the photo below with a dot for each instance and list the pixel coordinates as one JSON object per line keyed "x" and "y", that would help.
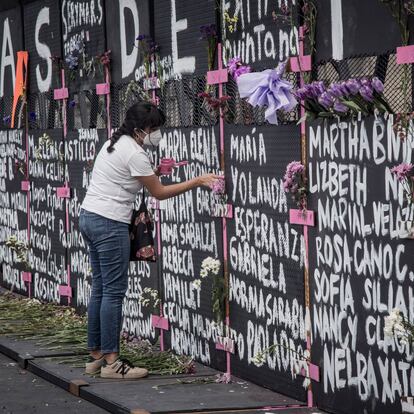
{"x": 22, "y": 392}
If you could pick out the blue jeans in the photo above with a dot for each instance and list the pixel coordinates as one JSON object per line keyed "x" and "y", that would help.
{"x": 109, "y": 246}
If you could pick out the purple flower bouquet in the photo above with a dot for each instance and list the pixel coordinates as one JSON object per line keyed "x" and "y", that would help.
{"x": 343, "y": 99}
{"x": 294, "y": 183}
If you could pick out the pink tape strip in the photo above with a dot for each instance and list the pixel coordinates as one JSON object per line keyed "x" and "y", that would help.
{"x": 223, "y": 211}
{"x": 225, "y": 344}
{"x": 303, "y": 63}
{"x": 28, "y": 196}
{"x": 65, "y": 291}
{"x": 63, "y": 192}
{"x": 108, "y": 102}
{"x": 159, "y": 322}
{"x": 65, "y": 127}
{"x": 215, "y": 77}
{"x": 314, "y": 372}
{"x": 103, "y": 89}
{"x": 61, "y": 93}
{"x": 26, "y": 277}
{"x": 305, "y": 228}
{"x": 25, "y": 185}
{"x": 405, "y": 54}
{"x": 304, "y": 217}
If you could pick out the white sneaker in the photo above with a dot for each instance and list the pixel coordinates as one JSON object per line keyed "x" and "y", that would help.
{"x": 93, "y": 366}
{"x": 122, "y": 369}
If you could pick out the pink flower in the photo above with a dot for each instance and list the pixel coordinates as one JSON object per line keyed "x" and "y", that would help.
{"x": 402, "y": 171}
{"x": 218, "y": 186}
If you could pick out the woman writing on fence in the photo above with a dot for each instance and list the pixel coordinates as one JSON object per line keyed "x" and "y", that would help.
{"x": 121, "y": 169}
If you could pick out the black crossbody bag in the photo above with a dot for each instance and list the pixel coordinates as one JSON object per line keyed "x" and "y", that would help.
{"x": 140, "y": 233}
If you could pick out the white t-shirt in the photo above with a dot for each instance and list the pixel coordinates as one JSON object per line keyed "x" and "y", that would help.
{"x": 113, "y": 188}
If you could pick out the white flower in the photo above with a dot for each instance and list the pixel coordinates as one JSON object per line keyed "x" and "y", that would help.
{"x": 203, "y": 273}
{"x": 306, "y": 383}
{"x": 393, "y": 323}
{"x": 197, "y": 284}
{"x": 210, "y": 264}
{"x": 259, "y": 359}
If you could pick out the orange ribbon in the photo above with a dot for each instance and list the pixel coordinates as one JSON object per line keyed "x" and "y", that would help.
{"x": 21, "y": 81}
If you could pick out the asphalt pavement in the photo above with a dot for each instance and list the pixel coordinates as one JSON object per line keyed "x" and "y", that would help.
{"x": 22, "y": 392}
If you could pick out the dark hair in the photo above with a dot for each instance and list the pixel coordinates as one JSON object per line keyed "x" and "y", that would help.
{"x": 140, "y": 115}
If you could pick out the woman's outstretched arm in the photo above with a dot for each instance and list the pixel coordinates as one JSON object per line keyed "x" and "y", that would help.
{"x": 162, "y": 192}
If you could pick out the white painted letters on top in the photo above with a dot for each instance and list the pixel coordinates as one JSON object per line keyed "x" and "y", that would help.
{"x": 185, "y": 64}
{"x": 337, "y": 30}
{"x": 128, "y": 60}
{"x": 7, "y": 59}
{"x": 44, "y": 52}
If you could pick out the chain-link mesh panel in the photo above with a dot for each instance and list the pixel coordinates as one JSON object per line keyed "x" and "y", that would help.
{"x": 123, "y": 96}
{"x": 384, "y": 67}
{"x": 86, "y": 109}
{"x": 182, "y": 105}
{"x": 6, "y": 104}
{"x": 44, "y": 111}
{"x": 180, "y": 101}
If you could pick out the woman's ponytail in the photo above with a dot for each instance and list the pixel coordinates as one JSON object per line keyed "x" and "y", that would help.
{"x": 122, "y": 130}
{"x": 139, "y": 116}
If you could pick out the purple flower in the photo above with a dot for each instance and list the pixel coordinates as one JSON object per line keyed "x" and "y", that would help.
{"x": 367, "y": 93}
{"x": 340, "y": 107}
{"x": 293, "y": 173}
{"x": 402, "y": 171}
{"x": 284, "y": 9}
{"x": 233, "y": 64}
{"x": 32, "y": 116}
{"x": 7, "y": 119}
{"x": 336, "y": 90}
{"x": 365, "y": 82}
{"x": 377, "y": 85}
{"x": 241, "y": 71}
{"x": 72, "y": 103}
{"x": 72, "y": 61}
{"x": 141, "y": 37}
{"x": 326, "y": 100}
{"x": 353, "y": 86}
{"x": 319, "y": 87}
{"x": 302, "y": 94}
{"x": 208, "y": 31}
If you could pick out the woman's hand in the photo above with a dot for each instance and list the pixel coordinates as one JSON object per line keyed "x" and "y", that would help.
{"x": 207, "y": 180}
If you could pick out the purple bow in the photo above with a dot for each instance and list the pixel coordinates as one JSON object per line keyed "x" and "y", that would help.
{"x": 268, "y": 89}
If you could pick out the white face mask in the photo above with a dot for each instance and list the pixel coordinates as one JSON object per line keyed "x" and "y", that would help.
{"x": 153, "y": 138}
